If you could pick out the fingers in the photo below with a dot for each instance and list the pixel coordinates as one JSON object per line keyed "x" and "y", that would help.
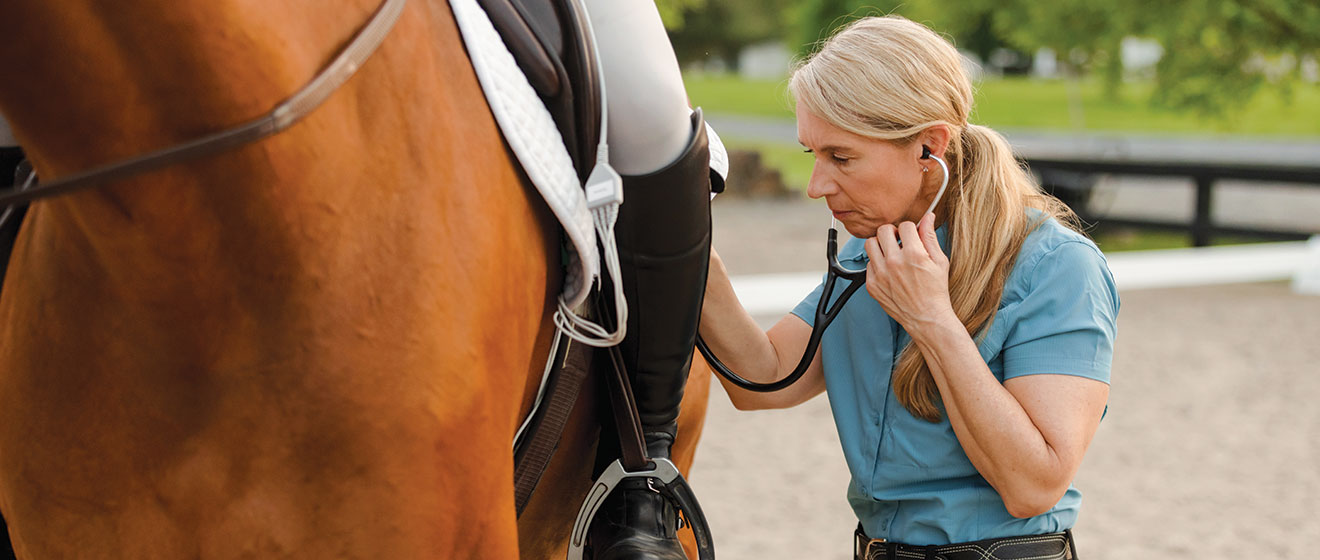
{"x": 887, "y": 236}
{"x": 912, "y": 241}
{"x": 929, "y": 239}
{"x": 918, "y": 240}
{"x": 873, "y": 251}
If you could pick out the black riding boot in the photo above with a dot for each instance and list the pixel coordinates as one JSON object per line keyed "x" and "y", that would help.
{"x": 636, "y": 522}
{"x": 663, "y": 235}
{"x": 10, "y": 160}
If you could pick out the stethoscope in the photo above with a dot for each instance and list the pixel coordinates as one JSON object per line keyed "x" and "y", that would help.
{"x": 825, "y": 312}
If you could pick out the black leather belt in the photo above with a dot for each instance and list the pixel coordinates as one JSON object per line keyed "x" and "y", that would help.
{"x": 1051, "y": 546}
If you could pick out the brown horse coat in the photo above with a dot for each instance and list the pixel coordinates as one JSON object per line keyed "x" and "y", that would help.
{"x": 318, "y": 345}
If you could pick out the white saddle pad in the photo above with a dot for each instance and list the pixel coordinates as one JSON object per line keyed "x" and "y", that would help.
{"x": 531, "y": 133}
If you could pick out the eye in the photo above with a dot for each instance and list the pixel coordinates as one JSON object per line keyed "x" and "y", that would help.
{"x": 840, "y": 160}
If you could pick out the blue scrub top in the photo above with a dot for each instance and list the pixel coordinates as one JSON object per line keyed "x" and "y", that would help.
{"x": 911, "y": 481}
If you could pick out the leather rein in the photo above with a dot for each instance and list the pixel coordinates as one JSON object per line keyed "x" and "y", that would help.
{"x": 279, "y": 119}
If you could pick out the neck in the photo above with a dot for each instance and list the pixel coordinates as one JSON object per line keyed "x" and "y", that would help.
{"x": 177, "y": 73}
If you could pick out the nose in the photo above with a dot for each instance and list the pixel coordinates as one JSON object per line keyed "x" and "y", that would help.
{"x": 820, "y": 183}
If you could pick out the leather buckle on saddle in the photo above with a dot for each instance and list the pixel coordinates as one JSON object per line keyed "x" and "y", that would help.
{"x": 665, "y": 479}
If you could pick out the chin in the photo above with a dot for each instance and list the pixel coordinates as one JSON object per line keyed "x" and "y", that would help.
{"x": 861, "y": 231}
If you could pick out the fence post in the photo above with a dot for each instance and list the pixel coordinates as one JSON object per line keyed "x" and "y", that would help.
{"x": 1202, "y": 228}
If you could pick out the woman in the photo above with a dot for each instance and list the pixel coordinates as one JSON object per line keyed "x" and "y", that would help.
{"x": 968, "y": 385}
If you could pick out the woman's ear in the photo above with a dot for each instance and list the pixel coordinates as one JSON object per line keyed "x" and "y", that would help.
{"x": 936, "y": 139}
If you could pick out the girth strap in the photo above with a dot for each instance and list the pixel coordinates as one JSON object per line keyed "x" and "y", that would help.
{"x": 532, "y": 452}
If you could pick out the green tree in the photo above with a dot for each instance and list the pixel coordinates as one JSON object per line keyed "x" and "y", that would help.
{"x": 1217, "y": 53}
{"x": 723, "y": 28}
{"x": 1220, "y": 53}
{"x": 671, "y": 11}
{"x": 813, "y": 21}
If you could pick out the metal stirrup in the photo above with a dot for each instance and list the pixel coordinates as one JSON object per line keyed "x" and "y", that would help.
{"x": 671, "y": 485}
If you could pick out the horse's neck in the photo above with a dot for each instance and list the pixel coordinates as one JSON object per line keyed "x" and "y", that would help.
{"x": 340, "y": 191}
{"x": 94, "y": 83}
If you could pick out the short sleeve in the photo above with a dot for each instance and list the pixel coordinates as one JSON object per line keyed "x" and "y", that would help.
{"x": 806, "y": 309}
{"x": 1065, "y": 322}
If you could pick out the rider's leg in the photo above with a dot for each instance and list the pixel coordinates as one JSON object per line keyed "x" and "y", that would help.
{"x": 663, "y": 235}
{"x": 648, "y": 107}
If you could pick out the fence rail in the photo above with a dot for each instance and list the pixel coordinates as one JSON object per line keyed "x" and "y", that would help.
{"x": 1071, "y": 175}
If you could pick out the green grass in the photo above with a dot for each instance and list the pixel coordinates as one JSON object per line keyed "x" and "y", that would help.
{"x": 733, "y": 95}
{"x": 1043, "y": 104}
{"x": 794, "y": 166}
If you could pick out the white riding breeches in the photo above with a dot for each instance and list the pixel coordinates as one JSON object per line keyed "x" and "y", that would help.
{"x": 648, "y": 125}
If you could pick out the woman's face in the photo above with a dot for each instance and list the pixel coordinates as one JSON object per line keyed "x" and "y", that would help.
{"x": 866, "y": 182}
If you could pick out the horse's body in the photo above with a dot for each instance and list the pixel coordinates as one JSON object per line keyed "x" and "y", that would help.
{"x": 318, "y": 345}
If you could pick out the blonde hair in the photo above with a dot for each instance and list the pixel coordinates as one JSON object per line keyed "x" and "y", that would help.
{"x": 889, "y": 78}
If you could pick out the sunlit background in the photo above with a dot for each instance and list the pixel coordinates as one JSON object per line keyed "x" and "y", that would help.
{"x": 1187, "y": 135}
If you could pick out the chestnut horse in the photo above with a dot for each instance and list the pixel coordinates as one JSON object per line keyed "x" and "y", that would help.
{"x": 317, "y": 345}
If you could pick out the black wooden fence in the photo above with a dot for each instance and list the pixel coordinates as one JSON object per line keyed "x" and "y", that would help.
{"x": 1071, "y": 180}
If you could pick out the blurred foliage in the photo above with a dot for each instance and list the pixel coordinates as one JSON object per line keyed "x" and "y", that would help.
{"x": 671, "y": 11}
{"x": 813, "y": 21}
{"x": 1217, "y": 54}
{"x": 722, "y": 28}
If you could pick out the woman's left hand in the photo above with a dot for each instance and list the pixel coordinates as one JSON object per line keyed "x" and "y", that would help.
{"x": 911, "y": 282}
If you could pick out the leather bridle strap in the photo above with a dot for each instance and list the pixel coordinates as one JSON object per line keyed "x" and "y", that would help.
{"x": 284, "y": 115}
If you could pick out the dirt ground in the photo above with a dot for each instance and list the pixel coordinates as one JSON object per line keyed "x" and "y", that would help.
{"x": 1210, "y": 448}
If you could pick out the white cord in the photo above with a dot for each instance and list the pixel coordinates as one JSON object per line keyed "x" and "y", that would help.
{"x": 943, "y": 184}
{"x": 545, "y": 382}
{"x": 584, "y": 330}
{"x": 604, "y": 191}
